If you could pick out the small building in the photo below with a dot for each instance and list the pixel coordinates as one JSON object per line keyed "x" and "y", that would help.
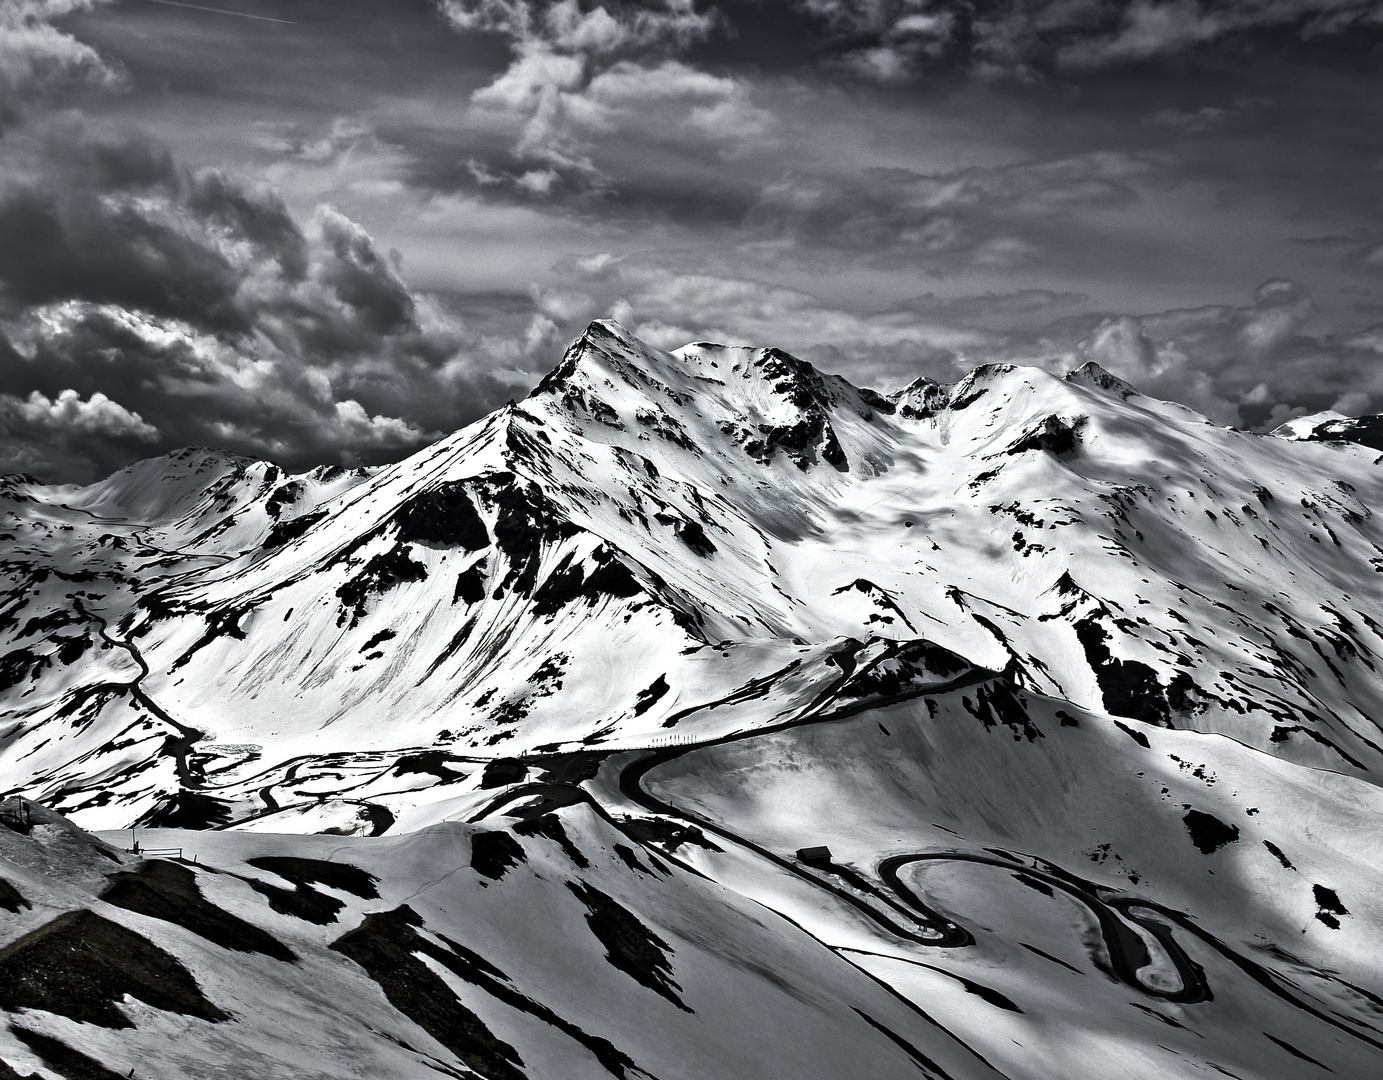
{"x": 810, "y": 855}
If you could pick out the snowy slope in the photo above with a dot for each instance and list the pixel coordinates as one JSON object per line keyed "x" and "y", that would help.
{"x": 1077, "y": 687}
{"x": 650, "y": 531}
{"x": 545, "y": 949}
{"x": 1331, "y": 426}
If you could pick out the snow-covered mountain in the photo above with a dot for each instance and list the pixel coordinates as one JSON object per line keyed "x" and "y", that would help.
{"x": 1330, "y": 426}
{"x": 1022, "y": 726}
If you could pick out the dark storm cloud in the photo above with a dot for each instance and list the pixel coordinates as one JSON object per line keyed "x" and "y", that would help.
{"x": 111, "y": 219}
{"x": 152, "y": 303}
{"x": 891, "y": 40}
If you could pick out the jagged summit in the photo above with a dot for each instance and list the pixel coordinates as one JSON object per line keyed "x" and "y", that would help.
{"x": 769, "y": 402}
{"x": 1091, "y": 374}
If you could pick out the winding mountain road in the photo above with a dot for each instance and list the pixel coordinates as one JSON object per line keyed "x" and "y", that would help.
{"x": 896, "y": 908}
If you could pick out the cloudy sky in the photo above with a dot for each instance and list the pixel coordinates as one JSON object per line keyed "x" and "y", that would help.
{"x": 331, "y": 230}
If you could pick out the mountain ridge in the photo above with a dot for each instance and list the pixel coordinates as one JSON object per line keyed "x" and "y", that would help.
{"x": 1007, "y": 728}
{"x": 680, "y": 500}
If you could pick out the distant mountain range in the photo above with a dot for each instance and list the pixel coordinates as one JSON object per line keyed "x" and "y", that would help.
{"x": 1018, "y": 727}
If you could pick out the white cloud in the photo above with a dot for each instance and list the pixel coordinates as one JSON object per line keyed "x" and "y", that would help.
{"x": 201, "y": 299}
{"x": 357, "y": 429}
{"x": 34, "y": 53}
{"x": 563, "y": 24}
{"x": 68, "y": 414}
{"x": 559, "y": 104}
{"x": 580, "y": 74}
{"x": 536, "y": 73}
{"x": 1354, "y": 403}
{"x": 538, "y": 181}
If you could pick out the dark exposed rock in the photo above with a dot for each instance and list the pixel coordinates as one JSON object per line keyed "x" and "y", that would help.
{"x": 1129, "y": 687}
{"x": 574, "y": 767}
{"x": 493, "y": 854}
{"x": 167, "y": 891}
{"x": 1137, "y": 736}
{"x": 923, "y": 1062}
{"x": 377, "y": 640}
{"x": 220, "y": 622}
{"x": 334, "y": 875}
{"x": 999, "y": 702}
{"x": 571, "y": 581}
{"x": 443, "y": 515}
{"x": 876, "y": 400}
{"x": 11, "y": 899}
{"x": 380, "y": 574}
{"x": 59, "y": 1057}
{"x": 1091, "y": 374}
{"x": 669, "y": 834}
{"x": 386, "y": 944}
{"x": 502, "y": 771}
{"x": 549, "y": 826}
{"x": 475, "y": 969}
{"x": 651, "y": 695}
{"x": 525, "y": 521}
{"x": 1208, "y": 832}
{"x": 1328, "y": 906}
{"x": 1295, "y": 1052}
{"x": 1278, "y": 854}
{"x": 187, "y": 810}
{"x": 920, "y": 399}
{"x": 300, "y": 902}
{"x": 1282, "y": 733}
{"x": 915, "y": 664}
{"x": 432, "y": 762}
{"x": 19, "y": 666}
{"x": 470, "y": 584}
{"x": 690, "y": 533}
{"x": 793, "y": 379}
{"x": 800, "y": 441}
{"x": 284, "y": 531}
{"x": 1052, "y": 434}
{"x": 282, "y": 496}
{"x": 1364, "y": 430}
{"x": 630, "y": 946}
{"x": 81, "y": 966}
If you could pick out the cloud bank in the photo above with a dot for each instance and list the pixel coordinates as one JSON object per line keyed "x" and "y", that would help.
{"x": 886, "y": 187}
{"x": 159, "y": 304}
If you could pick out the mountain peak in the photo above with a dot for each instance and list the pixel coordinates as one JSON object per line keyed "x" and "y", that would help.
{"x": 765, "y": 399}
{"x": 1301, "y": 427}
{"x": 1091, "y": 374}
{"x": 1331, "y": 426}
